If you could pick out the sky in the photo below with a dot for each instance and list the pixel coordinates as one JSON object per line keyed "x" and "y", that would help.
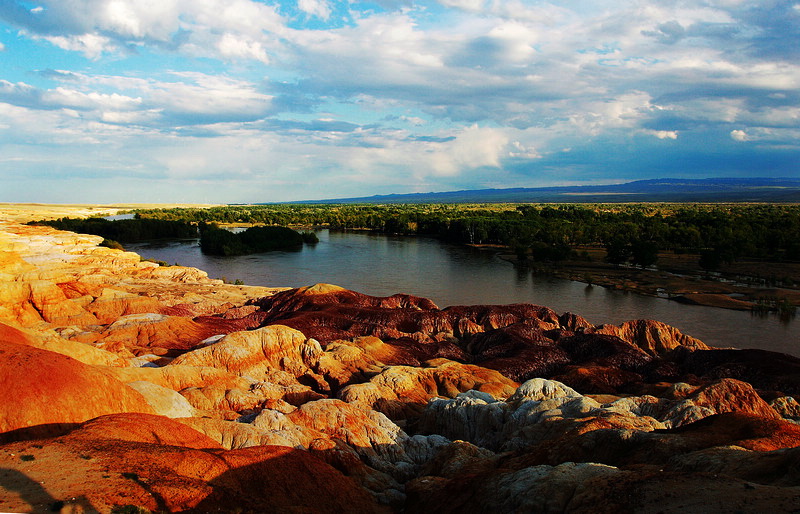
{"x": 243, "y": 101}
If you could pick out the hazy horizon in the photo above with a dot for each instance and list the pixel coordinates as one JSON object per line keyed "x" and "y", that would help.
{"x": 245, "y": 101}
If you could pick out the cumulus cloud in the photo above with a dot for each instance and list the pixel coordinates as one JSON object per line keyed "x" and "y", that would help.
{"x": 91, "y": 45}
{"x": 190, "y": 98}
{"x": 663, "y": 134}
{"x": 520, "y": 150}
{"x": 233, "y": 46}
{"x": 422, "y": 94}
{"x": 739, "y": 135}
{"x": 232, "y": 29}
{"x": 319, "y": 8}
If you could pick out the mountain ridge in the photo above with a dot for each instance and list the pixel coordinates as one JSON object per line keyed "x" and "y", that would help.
{"x": 726, "y": 189}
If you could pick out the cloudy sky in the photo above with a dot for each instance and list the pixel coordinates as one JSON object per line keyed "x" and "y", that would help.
{"x": 258, "y": 101}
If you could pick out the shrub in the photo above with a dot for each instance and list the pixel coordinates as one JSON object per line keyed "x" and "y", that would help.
{"x": 110, "y": 243}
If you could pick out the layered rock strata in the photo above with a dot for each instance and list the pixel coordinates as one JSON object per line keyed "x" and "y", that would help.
{"x": 129, "y": 385}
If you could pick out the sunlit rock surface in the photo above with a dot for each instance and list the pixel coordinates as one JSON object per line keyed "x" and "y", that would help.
{"x": 129, "y": 384}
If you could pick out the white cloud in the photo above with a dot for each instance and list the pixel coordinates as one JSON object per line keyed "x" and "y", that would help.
{"x": 662, "y": 134}
{"x": 518, "y": 150}
{"x": 206, "y": 95}
{"x": 71, "y": 98}
{"x": 468, "y": 5}
{"x": 91, "y": 45}
{"x": 624, "y": 111}
{"x": 473, "y": 147}
{"x": 191, "y": 98}
{"x": 319, "y": 8}
{"x": 231, "y": 29}
{"x": 739, "y": 135}
{"x": 147, "y": 117}
{"x": 232, "y": 46}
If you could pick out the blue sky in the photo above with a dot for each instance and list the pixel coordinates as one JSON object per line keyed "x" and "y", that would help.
{"x": 257, "y": 101}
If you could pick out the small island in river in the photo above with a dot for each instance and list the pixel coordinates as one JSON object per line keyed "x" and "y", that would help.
{"x": 136, "y": 386}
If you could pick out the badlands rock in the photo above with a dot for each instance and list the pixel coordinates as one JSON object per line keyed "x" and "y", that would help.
{"x": 586, "y": 487}
{"x": 399, "y": 391}
{"x": 787, "y": 407}
{"x": 51, "y": 341}
{"x": 163, "y": 401}
{"x": 485, "y": 421}
{"x": 322, "y": 399}
{"x": 653, "y": 337}
{"x": 254, "y": 353}
{"x": 168, "y": 467}
{"x": 45, "y": 391}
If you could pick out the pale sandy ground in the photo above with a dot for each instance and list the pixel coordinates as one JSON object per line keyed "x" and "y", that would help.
{"x": 24, "y": 212}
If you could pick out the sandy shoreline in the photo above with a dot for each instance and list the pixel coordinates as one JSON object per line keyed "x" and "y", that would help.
{"x": 25, "y": 212}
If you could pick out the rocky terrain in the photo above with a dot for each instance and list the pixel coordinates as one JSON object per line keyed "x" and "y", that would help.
{"x": 129, "y": 387}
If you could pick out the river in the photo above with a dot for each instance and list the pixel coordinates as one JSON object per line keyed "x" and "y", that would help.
{"x": 382, "y": 265}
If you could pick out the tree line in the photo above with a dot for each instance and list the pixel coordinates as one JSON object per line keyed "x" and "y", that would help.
{"x": 126, "y": 231}
{"x": 633, "y": 233}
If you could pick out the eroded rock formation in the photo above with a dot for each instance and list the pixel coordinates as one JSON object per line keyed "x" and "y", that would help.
{"x": 130, "y": 384}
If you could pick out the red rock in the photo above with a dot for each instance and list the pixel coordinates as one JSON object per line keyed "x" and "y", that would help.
{"x": 741, "y": 429}
{"x": 599, "y": 379}
{"x": 48, "y": 391}
{"x": 762, "y": 369}
{"x": 165, "y": 466}
{"x": 141, "y": 428}
{"x": 728, "y": 395}
{"x": 654, "y": 337}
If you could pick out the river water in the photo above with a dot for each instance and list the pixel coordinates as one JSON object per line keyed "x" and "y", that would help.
{"x": 382, "y": 265}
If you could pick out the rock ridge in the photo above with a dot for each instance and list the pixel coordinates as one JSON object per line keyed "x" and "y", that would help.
{"x": 132, "y": 385}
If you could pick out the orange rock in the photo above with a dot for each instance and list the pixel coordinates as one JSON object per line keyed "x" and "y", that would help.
{"x": 53, "y": 390}
{"x": 256, "y": 352}
{"x": 729, "y": 395}
{"x": 654, "y": 337}
{"x": 50, "y": 342}
{"x": 399, "y": 391}
{"x": 160, "y": 465}
{"x": 145, "y": 331}
{"x": 141, "y": 428}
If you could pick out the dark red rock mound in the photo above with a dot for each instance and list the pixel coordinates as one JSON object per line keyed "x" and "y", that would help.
{"x": 522, "y": 341}
{"x": 765, "y": 370}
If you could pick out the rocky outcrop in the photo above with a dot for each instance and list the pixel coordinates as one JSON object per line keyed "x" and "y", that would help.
{"x": 586, "y": 487}
{"x": 400, "y": 391}
{"x": 151, "y": 463}
{"x": 130, "y": 384}
{"x": 653, "y": 337}
{"x": 45, "y": 392}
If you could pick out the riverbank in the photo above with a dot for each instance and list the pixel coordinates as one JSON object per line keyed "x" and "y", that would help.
{"x": 745, "y": 286}
{"x": 25, "y": 212}
{"x": 739, "y": 286}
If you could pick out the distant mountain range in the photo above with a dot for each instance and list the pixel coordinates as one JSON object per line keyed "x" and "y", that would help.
{"x": 654, "y": 190}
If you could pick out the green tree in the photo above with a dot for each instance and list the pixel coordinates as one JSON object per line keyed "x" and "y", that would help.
{"x": 618, "y": 250}
{"x": 644, "y": 253}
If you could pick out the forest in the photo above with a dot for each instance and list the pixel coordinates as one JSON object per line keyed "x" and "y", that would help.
{"x": 126, "y": 231}
{"x": 218, "y": 241}
{"x": 634, "y": 233}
